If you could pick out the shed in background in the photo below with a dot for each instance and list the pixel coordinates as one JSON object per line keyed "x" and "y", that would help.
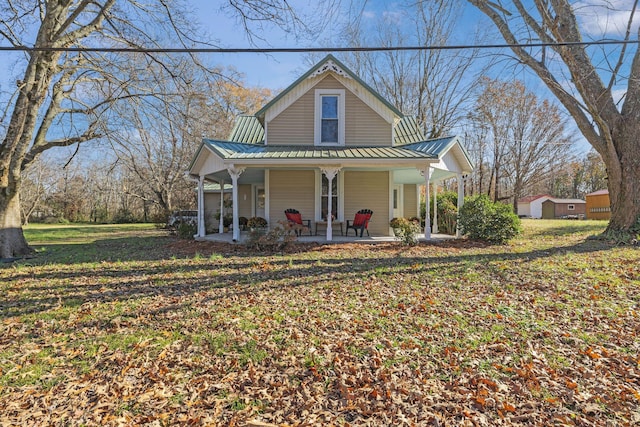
{"x": 598, "y": 205}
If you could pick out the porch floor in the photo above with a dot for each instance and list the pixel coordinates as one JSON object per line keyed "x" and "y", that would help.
{"x": 228, "y": 238}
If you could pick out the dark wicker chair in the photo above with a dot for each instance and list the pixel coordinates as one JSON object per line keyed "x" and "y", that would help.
{"x": 360, "y": 222}
{"x": 295, "y": 218}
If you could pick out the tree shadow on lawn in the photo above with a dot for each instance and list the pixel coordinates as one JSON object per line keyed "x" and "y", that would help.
{"x": 239, "y": 272}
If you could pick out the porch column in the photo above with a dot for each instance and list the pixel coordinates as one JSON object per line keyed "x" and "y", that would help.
{"x": 235, "y": 173}
{"x": 435, "y": 207}
{"x": 201, "y": 229}
{"x": 460, "y": 201}
{"x": 330, "y": 173}
{"x": 427, "y": 219}
{"x": 221, "y": 225}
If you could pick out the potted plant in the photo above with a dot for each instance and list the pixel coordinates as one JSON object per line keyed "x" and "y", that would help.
{"x": 256, "y": 223}
{"x": 227, "y": 220}
{"x": 397, "y": 224}
{"x": 405, "y": 230}
{"x": 242, "y": 222}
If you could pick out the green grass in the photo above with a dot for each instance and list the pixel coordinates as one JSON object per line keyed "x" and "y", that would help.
{"x": 126, "y": 325}
{"x": 80, "y": 233}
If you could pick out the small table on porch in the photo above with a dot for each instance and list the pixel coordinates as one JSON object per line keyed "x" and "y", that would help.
{"x": 333, "y": 226}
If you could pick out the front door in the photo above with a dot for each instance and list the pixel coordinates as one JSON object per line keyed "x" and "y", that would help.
{"x": 259, "y": 201}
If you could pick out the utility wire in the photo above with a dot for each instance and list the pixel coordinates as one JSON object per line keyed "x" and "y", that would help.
{"x": 310, "y": 49}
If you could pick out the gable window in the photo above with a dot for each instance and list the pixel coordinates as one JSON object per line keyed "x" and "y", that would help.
{"x": 329, "y": 125}
{"x": 329, "y": 117}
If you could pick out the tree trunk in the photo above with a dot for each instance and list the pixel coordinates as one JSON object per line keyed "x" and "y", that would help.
{"x": 623, "y": 170}
{"x": 12, "y": 241}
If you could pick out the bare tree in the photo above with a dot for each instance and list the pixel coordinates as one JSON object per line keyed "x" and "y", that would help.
{"x": 63, "y": 95}
{"x": 156, "y": 136}
{"x": 227, "y": 99}
{"x": 574, "y": 75}
{"x": 37, "y": 181}
{"x": 528, "y": 137}
{"x": 595, "y": 173}
{"x": 432, "y": 85}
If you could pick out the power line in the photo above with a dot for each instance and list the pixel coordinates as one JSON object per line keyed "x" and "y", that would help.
{"x": 310, "y": 49}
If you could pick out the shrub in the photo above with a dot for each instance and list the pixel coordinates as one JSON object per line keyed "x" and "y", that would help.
{"x": 405, "y": 230}
{"x": 277, "y": 238}
{"x": 447, "y": 212}
{"x": 124, "y": 216}
{"x": 55, "y": 220}
{"x": 186, "y": 230}
{"x": 482, "y": 219}
{"x": 256, "y": 222}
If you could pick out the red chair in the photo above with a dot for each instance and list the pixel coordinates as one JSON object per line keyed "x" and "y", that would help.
{"x": 295, "y": 218}
{"x": 360, "y": 222}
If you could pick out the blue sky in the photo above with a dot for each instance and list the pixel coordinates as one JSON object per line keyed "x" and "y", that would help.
{"x": 276, "y": 71}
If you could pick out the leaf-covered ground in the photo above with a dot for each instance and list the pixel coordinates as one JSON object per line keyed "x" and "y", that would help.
{"x": 151, "y": 330}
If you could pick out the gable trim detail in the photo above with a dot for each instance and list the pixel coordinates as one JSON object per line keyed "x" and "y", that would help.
{"x": 330, "y": 66}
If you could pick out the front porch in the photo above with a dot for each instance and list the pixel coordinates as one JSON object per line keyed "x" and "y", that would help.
{"x": 228, "y": 238}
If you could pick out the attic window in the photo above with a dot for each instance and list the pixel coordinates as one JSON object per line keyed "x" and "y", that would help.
{"x": 329, "y": 117}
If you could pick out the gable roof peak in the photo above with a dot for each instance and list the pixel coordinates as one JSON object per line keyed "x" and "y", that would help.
{"x": 329, "y": 64}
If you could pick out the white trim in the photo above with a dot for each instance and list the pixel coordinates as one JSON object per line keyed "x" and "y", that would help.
{"x": 317, "y": 126}
{"x": 319, "y": 173}
{"x": 340, "y": 213}
{"x": 267, "y": 196}
{"x": 435, "y": 207}
{"x": 393, "y": 135}
{"x": 201, "y": 226}
{"x": 390, "y": 198}
{"x": 330, "y": 66}
{"x": 318, "y": 195}
{"x": 460, "y": 178}
{"x": 266, "y": 133}
{"x": 254, "y": 197}
{"x": 427, "y": 220}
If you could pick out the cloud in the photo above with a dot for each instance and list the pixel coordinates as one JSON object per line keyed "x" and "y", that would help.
{"x": 599, "y": 18}
{"x": 368, "y": 14}
{"x": 393, "y": 16}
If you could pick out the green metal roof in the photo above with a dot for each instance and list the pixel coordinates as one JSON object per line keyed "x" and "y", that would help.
{"x": 247, "y": 129}
{"x": 242, "y": 151}
{"x": 407, "y": 131}
{"x": 327, "y": 58}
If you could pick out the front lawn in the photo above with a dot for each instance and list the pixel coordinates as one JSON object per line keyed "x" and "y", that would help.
{"x": 134, "y": 327}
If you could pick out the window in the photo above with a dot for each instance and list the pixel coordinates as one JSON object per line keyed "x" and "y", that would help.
{"x": 571, "y": 207}
{"x": 329, "y": 127}
{"x": 325, "y": 196}
{"x": 329, "y": 117}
